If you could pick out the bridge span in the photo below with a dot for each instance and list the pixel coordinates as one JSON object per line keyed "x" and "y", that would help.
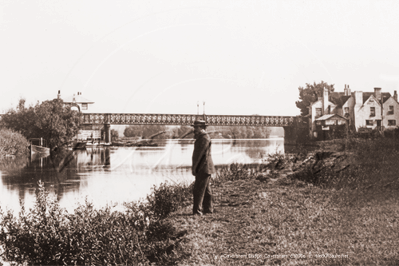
{"x": 291, "y": 124}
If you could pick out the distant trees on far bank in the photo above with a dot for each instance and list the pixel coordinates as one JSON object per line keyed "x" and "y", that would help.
{"x": 242, "y": 132}
{"x": 228, "y": 132}
{"x": 114, "y": 134}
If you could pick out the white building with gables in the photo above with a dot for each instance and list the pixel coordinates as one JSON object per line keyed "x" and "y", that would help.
{"x": 360, "y": 110}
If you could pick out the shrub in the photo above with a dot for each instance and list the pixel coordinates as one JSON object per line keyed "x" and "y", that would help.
{"x": 12, "y": 143}
{"x": 168, "y": 198}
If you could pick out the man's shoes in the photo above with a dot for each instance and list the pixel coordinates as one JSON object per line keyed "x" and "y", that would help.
{"x": 197, "y": 213}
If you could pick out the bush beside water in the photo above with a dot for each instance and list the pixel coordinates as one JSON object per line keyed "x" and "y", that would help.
{"x": 12, "y": 143}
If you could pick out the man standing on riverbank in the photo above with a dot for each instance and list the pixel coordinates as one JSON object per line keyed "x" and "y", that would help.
{"x": 202, "y": 169}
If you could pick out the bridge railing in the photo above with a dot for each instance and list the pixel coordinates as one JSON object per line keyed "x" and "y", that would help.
{"x": 186, "y": 119}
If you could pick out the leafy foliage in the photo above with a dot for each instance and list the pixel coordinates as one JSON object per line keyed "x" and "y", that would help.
{"x": 310, "y": 94}
{"x": 51, "y": 120}
{"x": 167, "y": 198}
{"x": 12, "y": 143}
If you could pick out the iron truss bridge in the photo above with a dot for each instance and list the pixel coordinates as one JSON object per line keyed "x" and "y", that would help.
{"x": 184, "y": 119}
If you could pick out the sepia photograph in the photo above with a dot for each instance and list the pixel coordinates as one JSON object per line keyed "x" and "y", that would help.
{"x": 224, "y": 132}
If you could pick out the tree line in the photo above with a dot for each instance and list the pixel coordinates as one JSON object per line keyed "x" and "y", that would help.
{"x": 230, "y": 132}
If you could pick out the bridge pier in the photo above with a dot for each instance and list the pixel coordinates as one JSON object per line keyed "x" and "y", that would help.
{"x": 290, "y": 136}
{"x": 107, "y": 163}
{"x": 107, "y": 130}
{"x": 296, "y": 133}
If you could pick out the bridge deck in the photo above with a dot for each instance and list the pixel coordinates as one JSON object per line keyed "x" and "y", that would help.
{"x": 186, "y": 119}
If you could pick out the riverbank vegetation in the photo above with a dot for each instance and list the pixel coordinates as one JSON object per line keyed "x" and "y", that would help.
{"x": 263, "y": 216}
{"x": 12, "y": 144}
{"x": 50, "y": 120}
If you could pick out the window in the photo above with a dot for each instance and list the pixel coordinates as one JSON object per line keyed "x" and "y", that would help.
{"x": 390, "y": 110}
{"x": 391, "y": 122}
{"x": 318, "y": 112}
{"x": 372, "y": 111}
{"x": 369, "y": 122}
{"x": 346, "y": 110}
{"x": 84, "y": 106}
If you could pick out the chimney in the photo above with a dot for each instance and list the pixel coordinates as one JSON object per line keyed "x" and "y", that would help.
{"x": 395, "y": 95}
{"x": 345, "y": 91}
{"x": 359, "y": 98}
{"x": 349, "y": 90}
{"x": 377, "y": 93}
{"x": 59, "y": 94}
{"x": 325, "y": 100}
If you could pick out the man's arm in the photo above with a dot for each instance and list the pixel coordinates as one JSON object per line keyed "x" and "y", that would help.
{"x": 203, "y": 146}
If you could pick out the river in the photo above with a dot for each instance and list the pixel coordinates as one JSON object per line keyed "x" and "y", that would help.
{"x": 113, "y": 175}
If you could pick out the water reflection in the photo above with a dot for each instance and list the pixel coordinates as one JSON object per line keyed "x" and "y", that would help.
{"x": 108, "y": 175}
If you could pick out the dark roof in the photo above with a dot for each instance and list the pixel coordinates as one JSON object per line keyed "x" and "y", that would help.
{"x": 326, "y": 117}
{"x": 338, "y": 98}
{"x": 385, "y": 96}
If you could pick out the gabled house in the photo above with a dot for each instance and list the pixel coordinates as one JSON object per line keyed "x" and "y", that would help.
{"x": 361, "y": 109}
{"x": 338, "y": 103}
{"x": 376, "y": 109}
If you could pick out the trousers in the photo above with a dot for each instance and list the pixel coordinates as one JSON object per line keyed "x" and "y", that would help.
{"x": 202, "y": 194}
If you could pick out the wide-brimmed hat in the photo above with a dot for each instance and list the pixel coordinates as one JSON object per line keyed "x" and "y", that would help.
{"x": 199, "y": 123}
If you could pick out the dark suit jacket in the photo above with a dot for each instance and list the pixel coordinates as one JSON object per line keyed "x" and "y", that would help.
{"x": 204, "y": 163}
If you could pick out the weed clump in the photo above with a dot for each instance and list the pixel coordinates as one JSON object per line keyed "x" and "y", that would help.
{"x": 167, "y": 198}
{"x": 234, "y": 172}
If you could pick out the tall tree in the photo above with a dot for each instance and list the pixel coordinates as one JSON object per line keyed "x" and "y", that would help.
{"x": 310, "y": 93}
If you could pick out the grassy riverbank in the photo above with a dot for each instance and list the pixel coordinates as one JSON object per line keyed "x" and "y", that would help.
{"x": 349, "y": 217}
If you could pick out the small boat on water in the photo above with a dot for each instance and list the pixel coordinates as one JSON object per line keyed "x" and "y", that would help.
{"x": 80, "y": 146}
{"x": 38, "y": 146}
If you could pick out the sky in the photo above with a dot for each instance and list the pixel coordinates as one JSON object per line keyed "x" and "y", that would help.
{"x": 239, "y": 57}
